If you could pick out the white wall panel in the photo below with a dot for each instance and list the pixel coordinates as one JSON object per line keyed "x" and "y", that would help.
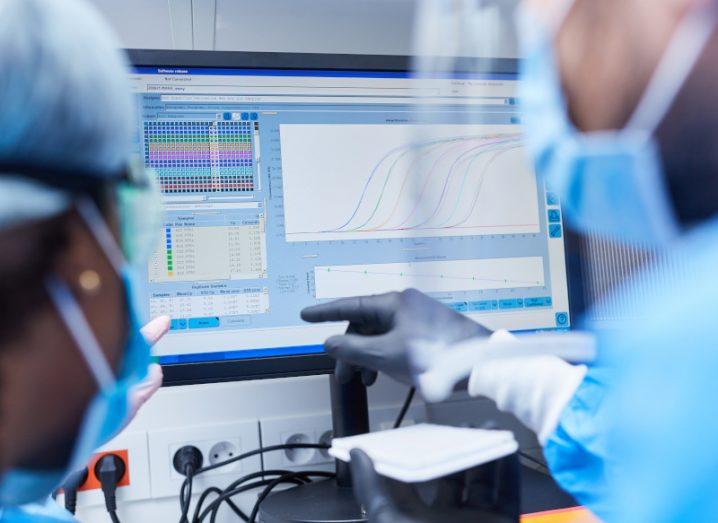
{"x": 151, "y": 24}
{"x": 318, "y": 26}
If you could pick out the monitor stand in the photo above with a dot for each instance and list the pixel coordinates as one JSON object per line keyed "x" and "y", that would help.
{"x": 327, "y": 501}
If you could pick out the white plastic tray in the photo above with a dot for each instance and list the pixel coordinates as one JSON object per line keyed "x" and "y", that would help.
{"x": 426, "y": 452}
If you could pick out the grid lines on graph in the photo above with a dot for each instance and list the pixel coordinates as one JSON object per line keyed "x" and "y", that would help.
{"x": 201, "y": 156}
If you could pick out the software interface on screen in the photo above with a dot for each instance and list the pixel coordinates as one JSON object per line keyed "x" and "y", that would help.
{"x": 283, "y": 189}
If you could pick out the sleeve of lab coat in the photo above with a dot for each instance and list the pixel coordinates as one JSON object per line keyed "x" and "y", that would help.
{"x": 577, "y": 451}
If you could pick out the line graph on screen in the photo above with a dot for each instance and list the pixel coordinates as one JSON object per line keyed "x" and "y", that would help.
{"x": 396, "y": 181}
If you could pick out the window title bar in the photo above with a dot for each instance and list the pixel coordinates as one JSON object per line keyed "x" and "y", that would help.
{"x": 321, "y": 73}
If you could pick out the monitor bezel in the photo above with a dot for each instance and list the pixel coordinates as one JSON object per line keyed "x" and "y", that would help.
{"x": 311, "y": 364}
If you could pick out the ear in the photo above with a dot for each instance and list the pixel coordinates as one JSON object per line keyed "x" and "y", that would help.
{"x": 80, "y": 255}
{"x": 96, "y": 286}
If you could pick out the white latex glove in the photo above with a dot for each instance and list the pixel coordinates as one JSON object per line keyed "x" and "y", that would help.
{"x": 535, "y": 389}
{"x": 141, "y": 392}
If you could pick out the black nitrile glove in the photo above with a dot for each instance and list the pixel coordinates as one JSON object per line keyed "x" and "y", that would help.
{"x": 381, "y": 328}
{"x": 387, "y": 501}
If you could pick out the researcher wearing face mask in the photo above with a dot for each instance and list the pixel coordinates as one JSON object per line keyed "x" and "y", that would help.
{"x": 74, "y": 364}
{"x": 618, "y": 99}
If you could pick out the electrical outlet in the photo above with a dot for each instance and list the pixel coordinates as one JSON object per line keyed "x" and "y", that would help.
{"x": 222, "y": 451}
{"x": 135, "y": 485}
{"x": 297, "y": 429}
{"x": 93, "y": 482}
{"x": 318, "y": 428}
{"x": 216, "y": 443}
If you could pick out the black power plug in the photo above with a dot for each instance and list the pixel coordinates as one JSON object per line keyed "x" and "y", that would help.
{"x": 73, "y": 482}
{"x": 187, "y": 460}
{"x": 110, "y": 469}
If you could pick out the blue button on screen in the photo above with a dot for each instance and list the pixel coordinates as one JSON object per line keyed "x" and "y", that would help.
{"x": 203, "y": 323}
{"x": 516, "y": 303}
{"x": 484, "y": 305}
{"x": 178, "y": 324}
{"x": 460, "y": 306}
{"x": 538, "y": 302}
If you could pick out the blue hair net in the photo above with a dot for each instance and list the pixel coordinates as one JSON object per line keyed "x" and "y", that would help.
{"x": 65, "y": 100}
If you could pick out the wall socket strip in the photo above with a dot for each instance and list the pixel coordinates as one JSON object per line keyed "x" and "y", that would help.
{"x": 216, "y": 442}
{"x": 151, "y": 474}
{"x": 318, "y": 429}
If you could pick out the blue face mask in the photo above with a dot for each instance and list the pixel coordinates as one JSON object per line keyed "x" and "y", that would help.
{"x": 108, "y": 411}
{"x": 609, "y": 182}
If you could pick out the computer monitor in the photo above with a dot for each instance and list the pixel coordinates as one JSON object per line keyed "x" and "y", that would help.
{"x": 257, "y": 152}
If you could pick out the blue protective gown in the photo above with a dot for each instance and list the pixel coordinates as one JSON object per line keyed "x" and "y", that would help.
{"x": 637, "y": 441}
{"x": 577, "y": 452}
{"x": 49, "y": 512}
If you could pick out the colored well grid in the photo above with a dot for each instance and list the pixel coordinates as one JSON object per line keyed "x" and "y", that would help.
{"x": 192, "y": 157}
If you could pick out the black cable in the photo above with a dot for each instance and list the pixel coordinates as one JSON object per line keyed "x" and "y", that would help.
{"x": 268, "y": 489}
{"x": 110, "y": 469}
{"x": 296, "y": 478}
{"x": 218, "y": 491}
{"x": 405, "y": 407}
{"x": 216, "y": 502}
{"x": 202, "y": 498}
{"x": 283, "y": 479}
{"x": 215, "y": 509}
{"x": 251, "y": 453}
{"x": 255, "y": 475}
{"x": 234, "y": 489}
{"x": 72, "y": 483}
{"x": 186, "y": 493}
{"x": 231, "y": 491}
{"x": 232, "y": 486}
{"x": 187, "y": 460}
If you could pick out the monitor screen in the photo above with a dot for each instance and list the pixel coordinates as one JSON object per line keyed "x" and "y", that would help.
{"x": 269, "y": 206}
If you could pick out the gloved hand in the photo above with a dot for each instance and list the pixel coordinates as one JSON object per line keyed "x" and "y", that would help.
{"x": 371, "y": 492}
{"x": 382, "y": 327}
{"x": 535, "y": 389}
{"x": 388, "y": 501}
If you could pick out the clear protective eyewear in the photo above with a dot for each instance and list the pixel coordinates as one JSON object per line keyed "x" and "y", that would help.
{"x": 140, "y": 212}
{"x": 133, "y": 191}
